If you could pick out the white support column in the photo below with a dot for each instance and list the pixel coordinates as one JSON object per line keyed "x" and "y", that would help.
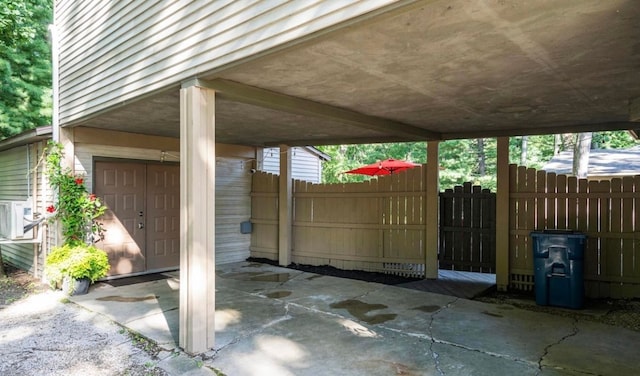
{"x": 66, "y": 139}
{"x": 197, "y": 219}
{"x": 285, "y": 211}
{"x": 502, "y": 215}
{"x": 432, "y": 210}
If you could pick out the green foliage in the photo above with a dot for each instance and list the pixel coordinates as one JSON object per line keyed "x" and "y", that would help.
{"x": 75, "y": 261}
{"x": 76, "y": 209}
{"x": 25, "y": 65}
{"x": 612, "y": 140}
{"x": 460, "y": 160}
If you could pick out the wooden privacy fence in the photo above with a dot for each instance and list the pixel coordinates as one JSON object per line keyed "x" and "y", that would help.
{"x": 608, "y": 212}
{"x": 468, "y": 229}
{"x": 379, "y": 225}
{"x": 374, "y": 226}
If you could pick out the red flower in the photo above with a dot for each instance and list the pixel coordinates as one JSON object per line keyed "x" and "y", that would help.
{"x": 79, "y": 181}
{"x": 92, "y": 197}
{"x": 51, "y": 209}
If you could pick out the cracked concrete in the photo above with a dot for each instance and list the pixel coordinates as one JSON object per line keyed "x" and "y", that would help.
{"x": 276, "y": 321}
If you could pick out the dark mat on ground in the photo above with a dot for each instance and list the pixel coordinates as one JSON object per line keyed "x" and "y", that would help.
{"x": 387, "y": 279}
{"x": 136, "y": 279}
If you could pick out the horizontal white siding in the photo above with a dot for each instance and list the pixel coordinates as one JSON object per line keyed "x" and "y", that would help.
{"x": 115, "y": 51}
{"x": 22, "y": 178}
{"x": 233, "y": 189}
{"x": 233, "y": 206}
{"x": 13, "y": 174}
{"x": 304, "y": 164}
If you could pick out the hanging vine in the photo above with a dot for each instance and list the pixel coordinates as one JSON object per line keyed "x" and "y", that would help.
{"x": 76, "y": 208}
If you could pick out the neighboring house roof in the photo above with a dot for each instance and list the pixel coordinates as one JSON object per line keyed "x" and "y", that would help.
{"x": 602, "y": 162}
{"x": 26, "y": 137}
{"x": 321, "y": 155}
{"x": 306, "y": 162}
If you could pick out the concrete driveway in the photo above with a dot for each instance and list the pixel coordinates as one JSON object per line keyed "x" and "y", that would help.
{"x": 277, "y": 321}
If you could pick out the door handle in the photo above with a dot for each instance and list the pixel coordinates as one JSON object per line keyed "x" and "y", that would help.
{"x": 140, "y": 225}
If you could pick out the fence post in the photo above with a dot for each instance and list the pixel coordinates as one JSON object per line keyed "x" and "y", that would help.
{"x": 285, "y": 204}
{"x": 502, "y": 215}
{"x": 432, "y": 196}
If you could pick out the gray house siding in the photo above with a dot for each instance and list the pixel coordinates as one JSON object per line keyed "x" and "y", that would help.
{"x": 22, "y": 178}
{"x": 114, "y": 51}
{"x": 305, "y": 164}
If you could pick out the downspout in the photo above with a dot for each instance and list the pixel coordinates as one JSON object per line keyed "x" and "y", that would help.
{"x": 55, "y": 122}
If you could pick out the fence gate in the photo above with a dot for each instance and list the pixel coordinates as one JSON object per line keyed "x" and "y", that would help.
{"x": 467, "y": 229}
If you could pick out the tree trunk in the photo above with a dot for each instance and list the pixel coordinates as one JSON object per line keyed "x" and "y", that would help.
{"x": 481, "y": 158}
{"x": 557, "y": 143}
{"x": 2, "y": 272}
{"x": 523, "y": 150}
{"x": 581, "y": 155}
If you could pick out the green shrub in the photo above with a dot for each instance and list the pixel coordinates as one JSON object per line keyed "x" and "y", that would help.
{"x": 76, "y": 261}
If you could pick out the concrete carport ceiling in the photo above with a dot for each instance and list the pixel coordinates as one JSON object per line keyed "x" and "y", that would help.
{"x": 434, "y": 70}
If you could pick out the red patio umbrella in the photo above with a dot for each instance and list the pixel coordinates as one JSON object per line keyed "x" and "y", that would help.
{"x": 386, "y": 167}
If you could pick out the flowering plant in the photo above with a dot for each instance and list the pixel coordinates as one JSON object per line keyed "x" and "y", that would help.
{"x": 76, "y": 262}
{"x": 76, "y": 209}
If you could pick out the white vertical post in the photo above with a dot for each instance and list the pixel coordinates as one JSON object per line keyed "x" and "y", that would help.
{"x": 197, "y": 219}
{"x": 285, "y": 202}
{"x": 67, "y": 140}
{"x": 502, "y": 215}
{"x": 432, "y": 210}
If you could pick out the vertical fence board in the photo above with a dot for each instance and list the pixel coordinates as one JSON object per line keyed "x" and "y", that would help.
{"x": 551, "y": 213}
{"x": 520, "y": 239}
{"x": 613, "y": 251}
{"x": 635, "y": 272}
{"x": 531, "y": 216}
{"x": 476, "y": 226}
{"x": 572, "y": 203}
{"x": 541, "y": 201}
{"x": 465, "y": 249}
{"x": 561, "y": 202}
{"x": 488, "y": 208}
{"x": 583, "y": 205}
{"x": 446, "y": 221}
{"x": 592, "y": 248}
{"x": 513, "y": 204}
{"x": 628, "y": 230}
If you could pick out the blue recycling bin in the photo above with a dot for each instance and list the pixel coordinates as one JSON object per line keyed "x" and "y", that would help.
{"x": 558, "y": 257}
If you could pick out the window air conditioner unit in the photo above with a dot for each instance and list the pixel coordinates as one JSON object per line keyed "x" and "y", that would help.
{"x": 14, "y": 216}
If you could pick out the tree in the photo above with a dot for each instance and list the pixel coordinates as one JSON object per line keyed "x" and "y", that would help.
{"x": 25, "y": 65}
{"x": 482, "y": 163}
{"x": 523, "y": 150}
{"x": 581, "y": 155}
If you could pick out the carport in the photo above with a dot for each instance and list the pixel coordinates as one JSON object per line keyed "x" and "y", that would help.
{"x": 425, "y": 70}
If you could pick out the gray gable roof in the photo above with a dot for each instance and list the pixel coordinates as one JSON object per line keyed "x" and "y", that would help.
{"x": 602, "y": 162}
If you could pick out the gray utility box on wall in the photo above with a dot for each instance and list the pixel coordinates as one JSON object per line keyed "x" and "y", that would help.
{"x": 246, "y": 227}
{"x": 558, "y": 257}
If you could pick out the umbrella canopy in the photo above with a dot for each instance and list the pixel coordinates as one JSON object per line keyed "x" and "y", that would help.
{"x": 386, "y": 167}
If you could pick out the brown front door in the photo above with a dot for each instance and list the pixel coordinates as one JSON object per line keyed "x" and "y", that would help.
{"x": 122, "y": 187}
{"x": 142, "y": 222}
{"x": 163, "y": 216}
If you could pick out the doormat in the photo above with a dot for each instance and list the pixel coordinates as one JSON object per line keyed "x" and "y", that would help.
{"x": 136, "y": 279}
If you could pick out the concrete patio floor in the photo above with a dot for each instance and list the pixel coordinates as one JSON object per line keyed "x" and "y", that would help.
{"x": 278, "y": 321}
